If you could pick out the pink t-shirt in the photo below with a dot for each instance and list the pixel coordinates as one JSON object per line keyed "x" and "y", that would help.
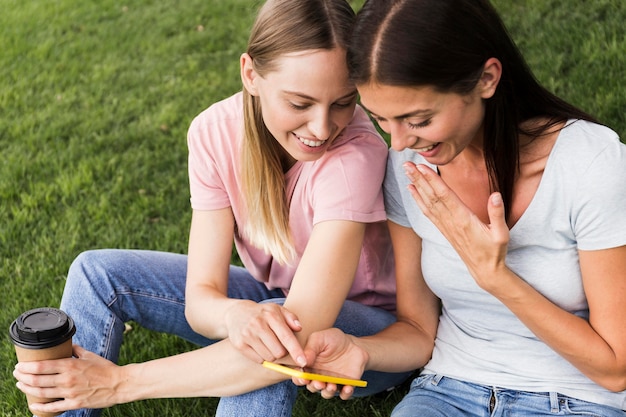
{"x": 344, "y": 184}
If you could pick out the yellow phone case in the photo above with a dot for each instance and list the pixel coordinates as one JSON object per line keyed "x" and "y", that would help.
{"x": 313, "y": 376}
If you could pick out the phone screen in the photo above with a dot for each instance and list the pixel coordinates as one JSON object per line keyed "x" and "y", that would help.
{"x": 314, "y": 374}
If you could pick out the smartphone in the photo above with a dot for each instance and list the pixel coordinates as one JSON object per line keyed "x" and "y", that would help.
{"x": 314, "y": 375}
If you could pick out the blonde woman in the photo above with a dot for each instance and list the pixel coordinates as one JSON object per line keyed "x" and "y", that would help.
{"x": 290, "y": 170}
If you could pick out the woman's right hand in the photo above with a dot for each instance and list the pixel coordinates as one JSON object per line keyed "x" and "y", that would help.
{"x": 84, "y": 381}
{"x": 334, "y": 351}
{"x": 264, "y": 331}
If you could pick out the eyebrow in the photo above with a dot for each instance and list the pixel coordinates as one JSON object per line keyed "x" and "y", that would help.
{"x": 306, "y": 97}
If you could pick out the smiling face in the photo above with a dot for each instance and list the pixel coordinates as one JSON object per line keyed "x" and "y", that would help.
{"x": 438, "y": 126}
{"x": 306, "y": 100}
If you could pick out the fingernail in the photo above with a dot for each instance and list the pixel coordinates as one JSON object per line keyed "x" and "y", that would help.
{"x": 496, "y": 199}
{"x": 421, "y": 168}
{"x": 301, "y": 360}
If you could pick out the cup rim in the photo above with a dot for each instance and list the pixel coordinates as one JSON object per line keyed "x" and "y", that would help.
{"x": 28, "y": 338}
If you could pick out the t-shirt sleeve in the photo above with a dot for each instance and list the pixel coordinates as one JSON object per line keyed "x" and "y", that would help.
{"x": 599, "y": 214}
{"x": 393, "y": 194}
{"x": 347, "y": 183}
{"x": 205, "y": 183}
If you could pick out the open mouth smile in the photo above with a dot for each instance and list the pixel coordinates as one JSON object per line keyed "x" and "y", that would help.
{"x": 426, "y": 148}
{"x": 311, "y": 143}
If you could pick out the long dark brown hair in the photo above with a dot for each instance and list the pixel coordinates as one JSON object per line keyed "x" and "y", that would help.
{"x": 445, "y": 44}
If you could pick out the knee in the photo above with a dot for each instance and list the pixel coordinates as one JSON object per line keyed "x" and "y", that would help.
{"x": 90, "y": 267}
{"x": 84, "y": 277}
{"x": 84, "y": 263}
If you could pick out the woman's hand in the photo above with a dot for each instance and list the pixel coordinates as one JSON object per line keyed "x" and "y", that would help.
{"x": 482, "y": 247}
{"x": 264, "y": 331}
{"x": 85, "y": 381}
{"x": 333, "y": 350}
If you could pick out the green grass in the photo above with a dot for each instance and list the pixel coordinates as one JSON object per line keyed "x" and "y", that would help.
{"x": 95, "y": 101}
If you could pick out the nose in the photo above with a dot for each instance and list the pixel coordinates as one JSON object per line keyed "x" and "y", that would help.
{"x": 401, "y": 138}
{"x": 320, "y": 125}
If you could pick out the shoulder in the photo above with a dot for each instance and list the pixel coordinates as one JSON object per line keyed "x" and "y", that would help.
{"x": 358, "y": 152}
{"x": 589, "y": 132}
{"x": 225, "y": 113}
{"x": 218, "y": 129}
{"x": 583, "y": 144}
{"x": 214, "y": 135}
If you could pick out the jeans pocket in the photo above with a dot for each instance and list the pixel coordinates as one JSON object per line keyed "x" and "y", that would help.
{"x": 575, "y": 407}
{"x": 422, "y": 380}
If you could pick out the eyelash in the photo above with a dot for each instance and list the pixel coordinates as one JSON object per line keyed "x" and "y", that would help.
{"x": 306, "y": 106}
{"x": 418, "y": 125}
{"x": 425, "y": 123}
{"x": 298, "y": 107}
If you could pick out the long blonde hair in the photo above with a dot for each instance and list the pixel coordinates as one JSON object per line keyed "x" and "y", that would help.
{"x": 281, "y": 27}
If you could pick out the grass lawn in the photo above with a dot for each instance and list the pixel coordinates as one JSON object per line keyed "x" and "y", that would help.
{"x": 95, "y": 101}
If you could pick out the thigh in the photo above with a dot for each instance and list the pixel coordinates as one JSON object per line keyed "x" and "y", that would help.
{"x": 362, "y": 320}
{"x": 273, "y": 401}
{"x": 147, "y": 287}
{"x": 116, "y": 286}
{"x": 243, "y": 286}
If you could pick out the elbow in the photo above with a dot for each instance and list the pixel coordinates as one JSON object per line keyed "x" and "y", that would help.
{"x": 615, "y": 382}
{"x": 191, "y": 318}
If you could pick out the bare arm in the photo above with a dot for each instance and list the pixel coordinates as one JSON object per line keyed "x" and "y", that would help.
{"x": 407, "y": 344}
{"x": 596, "y": 347}
{"x": 322, "y": 282}
{"x": 404, "y": 346}
{"x": 266, "y": 331}
{"x": 210, "y": 249}
{"x": 325, "y": 274}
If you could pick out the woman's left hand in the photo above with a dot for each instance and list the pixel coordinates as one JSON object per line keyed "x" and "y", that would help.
{"x": 482, "y": 246}
{"x": 332, "y": 349}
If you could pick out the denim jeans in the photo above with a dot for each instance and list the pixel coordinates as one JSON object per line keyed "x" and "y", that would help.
{"x": 439, "y": 396}
{"x": 108, "y": 287}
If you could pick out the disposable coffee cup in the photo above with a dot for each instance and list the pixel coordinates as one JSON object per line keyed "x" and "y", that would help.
{"x": 41, "y": 334}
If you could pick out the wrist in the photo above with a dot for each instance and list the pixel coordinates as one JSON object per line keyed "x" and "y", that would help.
{"x": 126, "y": 388}
{"x": 493, "y": 279}
{"x": 361, "y": 350}
{"x": 506, "y": 285}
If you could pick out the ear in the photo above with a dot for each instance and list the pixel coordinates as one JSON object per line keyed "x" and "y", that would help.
{"x": 248, "y": 74}
{"x": 492, "y": 71}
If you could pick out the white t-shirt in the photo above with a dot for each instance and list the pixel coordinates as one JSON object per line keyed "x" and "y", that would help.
{"x": 580, "y": 205}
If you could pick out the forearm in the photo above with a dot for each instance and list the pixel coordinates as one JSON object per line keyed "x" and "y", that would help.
{"x": 206, "y": 311}
{"x": 572, "y": 337}
{"x": 208, "y": 269}
{"x": 214, "y": 371}
{"x": 399, "y": 348}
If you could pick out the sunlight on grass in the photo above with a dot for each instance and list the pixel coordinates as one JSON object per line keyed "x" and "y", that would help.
{"x": 95, "y": 101}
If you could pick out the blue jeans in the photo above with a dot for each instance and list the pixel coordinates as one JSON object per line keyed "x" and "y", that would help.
{"x": 106, "y": 288}
{"x": 439, "y": 396}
